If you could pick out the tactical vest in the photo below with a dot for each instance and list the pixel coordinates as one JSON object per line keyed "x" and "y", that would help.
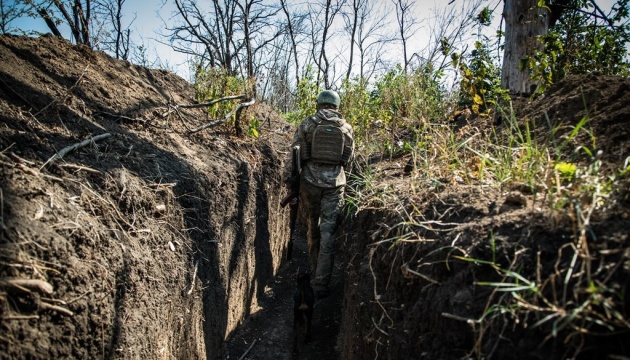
{"x": 328, "y": 145}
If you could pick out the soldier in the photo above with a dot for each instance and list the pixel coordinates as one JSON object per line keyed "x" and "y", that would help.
{"x": 326, "y": 147}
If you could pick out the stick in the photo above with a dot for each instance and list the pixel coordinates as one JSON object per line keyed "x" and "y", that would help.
{"x": 67, "y": 149}
{"x": 21, "y": 317}
{"x": 79, "y": 167}
{"x": 28, "y": 284}
{"x": 123, "y": 117}
{"x": 240, "y": 106}
{"x": 78, "y": 297}
{"x": 247, "y": 352}
{"x": 2, "y": 226}
{"x": 459, "y": 318}
{"x": 59, "y": 309}
{"x": 192, "y": 286}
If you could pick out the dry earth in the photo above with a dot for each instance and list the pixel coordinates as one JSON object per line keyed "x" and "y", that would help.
{"x": 154, "y": 243}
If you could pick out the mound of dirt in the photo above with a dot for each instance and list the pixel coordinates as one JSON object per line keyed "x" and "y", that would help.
{"x": 463, "y": 270}
{"x": 123, "y": 235}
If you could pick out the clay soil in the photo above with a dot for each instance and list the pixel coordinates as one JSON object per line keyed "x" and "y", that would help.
{"x": 150, "y": 242}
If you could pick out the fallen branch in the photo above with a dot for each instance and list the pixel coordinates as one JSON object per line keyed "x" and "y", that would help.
{"x": 67, "y": 149}
{"x": 190, "y": 106}
{"x": 219, "y": 121}
{"x": 28, "y": 285}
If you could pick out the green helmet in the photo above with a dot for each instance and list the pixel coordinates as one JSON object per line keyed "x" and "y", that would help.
{"x": 328, "y": 97}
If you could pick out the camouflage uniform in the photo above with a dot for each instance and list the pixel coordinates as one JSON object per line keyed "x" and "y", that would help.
{"x": 321, "y": 193}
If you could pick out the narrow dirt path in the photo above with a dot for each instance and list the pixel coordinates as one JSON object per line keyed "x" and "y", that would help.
{"x": 271, "y": 327}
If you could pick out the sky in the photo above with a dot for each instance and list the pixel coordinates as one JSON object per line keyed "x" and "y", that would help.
{"x": 149, "y": 24}
{"x": 149, "y": 17}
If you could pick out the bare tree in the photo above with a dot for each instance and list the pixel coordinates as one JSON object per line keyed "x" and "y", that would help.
{"x": 260, "y": 30}
{"x": 407, "y": 26}
{"x": 322, "y": 16}
{"x": 366, "y": 27}
{"x": 452, "y": 25}
{"x": 114, "y": 37}
{"x": 9, "y": 11}
{"x": 56, "y": 11}
{"x": 292, "y": 29}
{"x": 207, "y": 33}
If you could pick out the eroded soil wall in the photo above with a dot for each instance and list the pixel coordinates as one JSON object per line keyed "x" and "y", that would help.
{"x": 154, "y": 242}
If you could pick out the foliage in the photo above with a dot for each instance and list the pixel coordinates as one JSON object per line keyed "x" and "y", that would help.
{"x": 360, "y": 108}
{"x": 306, "y": 101}
{"x": 579, "y": 44}
{"x": 213, "y": 83}
{"x": 410, "y": 96}
{"x": 480, "y": 86}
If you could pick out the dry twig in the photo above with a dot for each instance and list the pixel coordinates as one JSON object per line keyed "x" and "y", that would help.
{"x": 59, "y": 309}
{"x": 219, "y": 121}
{"x": 210, "y": 103}
{"x": 192, "y": 285}
{"x": 67, "y": 149}
{"x": 21, "y": 317}
{"x": 28, "y": 285}
{"x": 121, "y": 117}
{"x": 79, "y": 168}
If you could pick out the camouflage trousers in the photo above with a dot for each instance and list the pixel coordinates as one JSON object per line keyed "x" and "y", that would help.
{"x": 321, "y": 209}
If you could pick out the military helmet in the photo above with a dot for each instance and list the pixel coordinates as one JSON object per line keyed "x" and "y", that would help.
{"x": 328, "y": 97}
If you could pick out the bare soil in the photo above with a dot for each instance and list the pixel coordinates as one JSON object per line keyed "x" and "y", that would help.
{"x": 414, "y": 297}
{"x": 154, "y": 243}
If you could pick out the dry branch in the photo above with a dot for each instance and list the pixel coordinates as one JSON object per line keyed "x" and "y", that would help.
{"x": 79, "y": 168}
{"x": 28, "y": 285}
{"x": 67, "y": 149}
{"x": 59, "y": 309}
{"x": 219, "y": 121}
{"x": 121, "y": 117}
{"x": 210, "y": 103}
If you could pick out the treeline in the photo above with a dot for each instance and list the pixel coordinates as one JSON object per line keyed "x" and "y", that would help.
{"x": 283, "y": 52}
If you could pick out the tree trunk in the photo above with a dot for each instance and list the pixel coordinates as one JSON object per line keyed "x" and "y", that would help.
{"x": 524, "y": 22}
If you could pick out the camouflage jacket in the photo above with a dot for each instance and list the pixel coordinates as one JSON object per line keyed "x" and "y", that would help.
{"x": 323, "y": 175}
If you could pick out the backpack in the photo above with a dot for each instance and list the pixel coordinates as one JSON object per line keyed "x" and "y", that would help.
{"x": 328, "y": 145}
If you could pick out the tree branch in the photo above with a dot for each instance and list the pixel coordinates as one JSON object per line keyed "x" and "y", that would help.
{"x": 219, "y": 121}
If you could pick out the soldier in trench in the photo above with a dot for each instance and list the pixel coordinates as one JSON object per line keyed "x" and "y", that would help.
{"x": 326, "y": 149}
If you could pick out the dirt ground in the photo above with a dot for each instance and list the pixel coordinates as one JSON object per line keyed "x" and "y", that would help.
{"x": 146, "y": 242}
{"x": 150, "y": 242}
{"x": 424, "y": 301}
